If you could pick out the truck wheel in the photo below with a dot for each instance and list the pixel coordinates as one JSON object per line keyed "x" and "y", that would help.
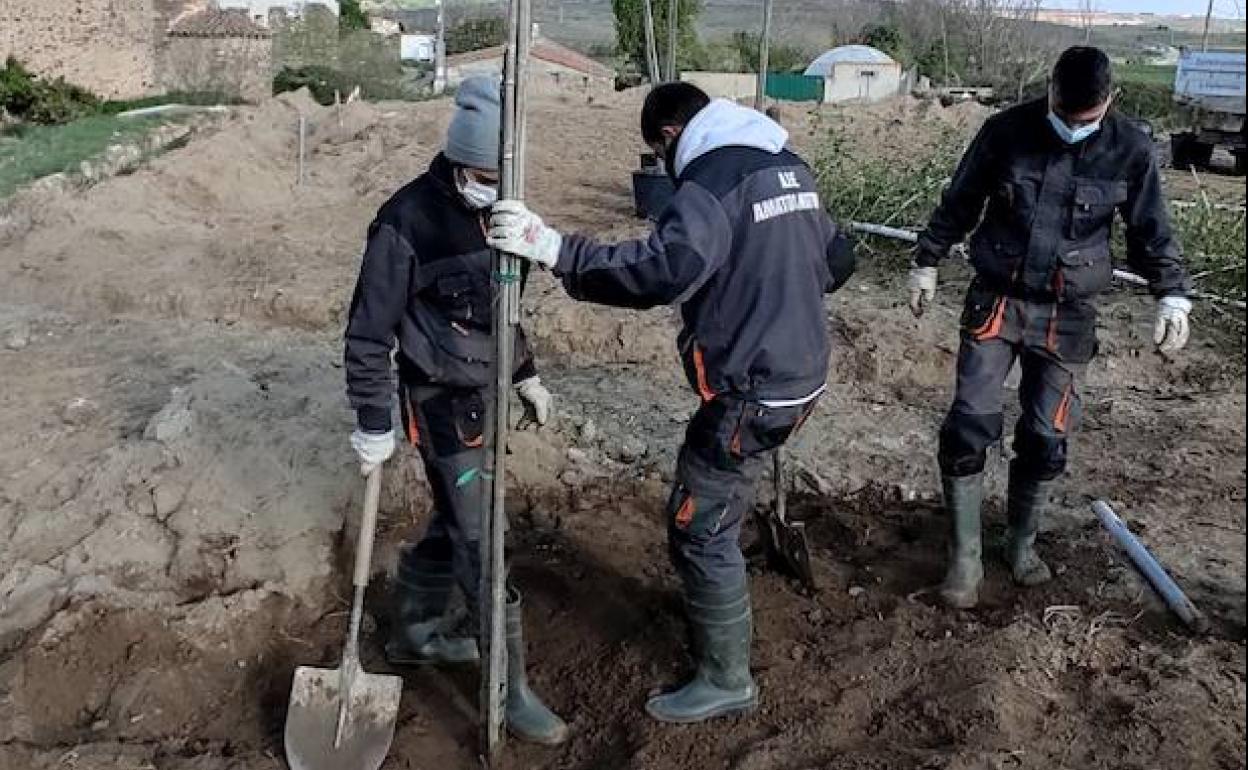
{"x": 1201, "y": 154}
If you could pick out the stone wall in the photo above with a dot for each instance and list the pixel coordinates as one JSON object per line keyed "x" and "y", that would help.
{"x": 236, "y": 66}
{"x": 111, "y": 47}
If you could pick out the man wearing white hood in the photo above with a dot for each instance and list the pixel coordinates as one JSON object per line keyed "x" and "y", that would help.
{"x": 747, "y": 250}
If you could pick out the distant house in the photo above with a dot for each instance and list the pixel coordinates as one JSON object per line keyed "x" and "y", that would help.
{"x": 551, "y": 66}
{"x": 857, "y": 73}
{"x": 261, "y": 11}
{"x": 418, "y": 47}
{"x": 218, "y": 50}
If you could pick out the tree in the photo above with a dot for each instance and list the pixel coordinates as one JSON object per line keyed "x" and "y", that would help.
{"x": 351, "y": 16}
{"x": 887, "y": 38}
{"x": 631, "y": 37}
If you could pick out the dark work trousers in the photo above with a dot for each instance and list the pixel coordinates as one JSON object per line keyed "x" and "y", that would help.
{"x": 725, "y": 447}
{"x": 448, "y": 426}
{"x": 1053, "y": 343}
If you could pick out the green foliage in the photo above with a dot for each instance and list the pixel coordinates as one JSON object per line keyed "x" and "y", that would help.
{"x": 323, "y": 82}
{"x": 1213, "y": 243}
{"x": 476, "y": 33}
{"x": 867, "y": 187}
{"x": 780, "y": 56}
{"x": 887, "y": 38}
{"x": 39, "y": 100}
{"x": 351, "y": 17}
{"x": 1150, "y": 101}
{"x": 630, "y": 32}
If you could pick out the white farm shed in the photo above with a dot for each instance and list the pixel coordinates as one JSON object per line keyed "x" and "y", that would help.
{"x": 857, "y": 73}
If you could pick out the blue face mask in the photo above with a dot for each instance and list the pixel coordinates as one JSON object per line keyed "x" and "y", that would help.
{"x": 1072, "y": 135}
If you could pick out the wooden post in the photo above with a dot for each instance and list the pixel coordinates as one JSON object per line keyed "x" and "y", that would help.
{"x": 652, "y": 50}
{"x": 506, "y": 317}
{"x": 764, "y": 44}
{"x": 673, "y": 36}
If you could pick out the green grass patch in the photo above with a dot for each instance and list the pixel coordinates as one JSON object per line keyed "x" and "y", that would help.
{"x": 29, "y": 152}
{"x": 1156, "y": 74}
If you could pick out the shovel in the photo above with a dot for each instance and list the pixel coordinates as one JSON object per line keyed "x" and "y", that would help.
{"x": 343, "y": 718}
{"x": 784, "y": 541}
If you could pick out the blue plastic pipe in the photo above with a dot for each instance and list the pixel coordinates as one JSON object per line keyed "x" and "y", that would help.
{"x": 1156, "y": 575}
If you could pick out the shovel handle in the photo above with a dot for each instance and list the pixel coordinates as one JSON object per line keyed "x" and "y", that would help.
{"x": 368, "y": 528}
{"x": 778, "y": 472}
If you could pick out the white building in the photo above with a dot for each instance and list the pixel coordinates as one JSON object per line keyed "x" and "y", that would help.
{"x": 259, "y": 9}
{"x": 857, "y": 73}
{"x": 418, "y": 46}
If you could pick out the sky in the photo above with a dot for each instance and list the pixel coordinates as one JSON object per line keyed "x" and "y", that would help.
{"x": 1227, "y": 9}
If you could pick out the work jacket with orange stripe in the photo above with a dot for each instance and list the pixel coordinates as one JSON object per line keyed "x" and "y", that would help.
{"x": 1045, "y": 231}
{"x": 745, "y": 248}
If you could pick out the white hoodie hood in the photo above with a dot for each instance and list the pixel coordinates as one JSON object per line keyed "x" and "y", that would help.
{"x": 724, "y": 123}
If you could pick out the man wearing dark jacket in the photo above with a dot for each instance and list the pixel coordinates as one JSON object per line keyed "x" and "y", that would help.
{"x": 426, "y": 283}
{"x": 747, "y": 251}
{"x": 1053, "y": 173}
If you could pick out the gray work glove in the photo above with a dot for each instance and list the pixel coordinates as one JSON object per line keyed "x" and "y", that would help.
{"x": 373, "y": 449}
{"x": 922, "y": 287}
{"x": 1172, "y": 329}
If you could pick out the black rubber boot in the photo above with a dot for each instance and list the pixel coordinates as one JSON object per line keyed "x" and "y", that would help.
{"x": 1027, "y": 500}
{"x": 964, "y": 499}
{"x": 527, "y": 717}
{"x": 722, "y": 627}
{"x": 421, "y": 631}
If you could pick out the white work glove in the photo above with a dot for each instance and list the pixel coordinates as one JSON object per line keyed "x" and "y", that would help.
{"x": 1172, "y": 329}
{"x": 922, "y": 287}
{"x": 516, "y": 230}
{"x": 373, "y": 449}
{"x": 537, "y": 402}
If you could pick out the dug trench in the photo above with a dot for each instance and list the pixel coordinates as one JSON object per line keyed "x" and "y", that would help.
{"x": 178, "y": 498}
{"x": 865, "y": 672}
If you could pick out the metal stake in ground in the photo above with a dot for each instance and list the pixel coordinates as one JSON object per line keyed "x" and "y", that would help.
{"x": 506, "y": 317}
{"x": 673, "y": 37}
{"x": 652, "y": 51}
{"x": 764, "y": 45}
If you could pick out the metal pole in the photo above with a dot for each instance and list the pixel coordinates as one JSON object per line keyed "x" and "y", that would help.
{"x": 673, "y": 24}
{"x": 506, "y": 272}
{"x": 652, "y": 50}
{"x": 1204, "y": 38}
{"x": 303, "y": 145}
{"x": 764, "y": 44}
{"x": 439, "y": 51}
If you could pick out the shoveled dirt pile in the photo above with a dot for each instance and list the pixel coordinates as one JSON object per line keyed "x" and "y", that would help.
{"x": 177, "y": 497}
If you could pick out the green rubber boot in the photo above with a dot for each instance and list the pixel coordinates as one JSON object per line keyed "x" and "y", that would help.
{"x": 721, "y": 626}
{"x": 528, "y": 718}
{"x": 964, "y": 497}
{"x": 422, "y": 633}
{"x": 1027, "y": 500}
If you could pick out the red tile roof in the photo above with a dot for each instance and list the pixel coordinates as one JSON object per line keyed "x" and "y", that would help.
{"x": 215, "y": 22}
{"x": 544, "y": 50}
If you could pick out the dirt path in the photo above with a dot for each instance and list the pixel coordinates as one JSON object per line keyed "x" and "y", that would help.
{"x": 168, "y": 556}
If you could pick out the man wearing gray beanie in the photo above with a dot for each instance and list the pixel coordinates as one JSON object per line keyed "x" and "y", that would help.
{"x": 426, "y": 285}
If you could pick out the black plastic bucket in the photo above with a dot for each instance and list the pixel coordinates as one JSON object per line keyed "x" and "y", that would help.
{"x": 652, "y": 190}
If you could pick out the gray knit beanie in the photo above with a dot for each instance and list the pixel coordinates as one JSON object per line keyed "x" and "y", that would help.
{"x": 472, "y": 139}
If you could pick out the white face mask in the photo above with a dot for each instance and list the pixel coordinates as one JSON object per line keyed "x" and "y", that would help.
{"x": 478, "y": 196}
{"x": 1072, "y": 135}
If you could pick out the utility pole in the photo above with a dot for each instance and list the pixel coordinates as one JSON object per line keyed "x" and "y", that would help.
{"x": 652, "y": 50}
{"x": 1204, "y": 38}
{"x": 764, "y": 44}
{"x": 673, "y": 24}
{"x": 506, "y": 272}
{"x": 439, "y": 51}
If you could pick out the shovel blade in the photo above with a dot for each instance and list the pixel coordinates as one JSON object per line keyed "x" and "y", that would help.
{"x": 311, "y": 722}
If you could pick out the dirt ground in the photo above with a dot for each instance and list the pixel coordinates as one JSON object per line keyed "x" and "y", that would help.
{"x": 177, "y": 493}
